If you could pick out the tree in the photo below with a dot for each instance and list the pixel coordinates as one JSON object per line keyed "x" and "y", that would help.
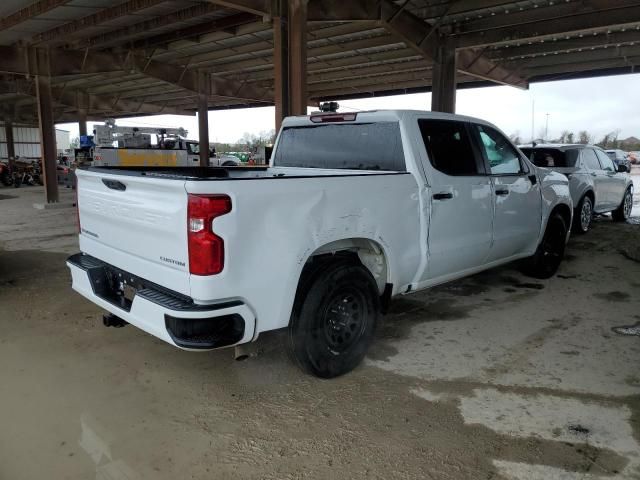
{"x": 584, "y": 137}
{"x": 252, "y": 141}
{"x": 563, "y": 136}
{"x": 570, "y": 137}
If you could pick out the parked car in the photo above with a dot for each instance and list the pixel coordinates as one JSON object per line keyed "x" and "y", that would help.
{"x": 354, "y": 209}
{"x": 597, "y": 185}
{"x": 619, "y": 157}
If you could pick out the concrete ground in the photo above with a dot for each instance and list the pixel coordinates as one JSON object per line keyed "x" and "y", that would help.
{"x": 497, "y": 376}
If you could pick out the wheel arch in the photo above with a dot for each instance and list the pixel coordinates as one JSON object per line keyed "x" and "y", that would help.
{"x": 589, "y": 192}
{"x": 369, "y": 253}
{"x": 565, "y": 212}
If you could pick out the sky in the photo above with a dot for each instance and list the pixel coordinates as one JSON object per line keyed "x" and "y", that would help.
{"x": 598, "y": 105}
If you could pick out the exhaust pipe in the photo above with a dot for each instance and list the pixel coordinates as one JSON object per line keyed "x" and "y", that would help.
{"x": 241, "y": 352}
{"x": 110, "y": 320}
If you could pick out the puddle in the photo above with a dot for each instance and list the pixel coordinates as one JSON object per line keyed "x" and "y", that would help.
{"x": 615, "y": 296}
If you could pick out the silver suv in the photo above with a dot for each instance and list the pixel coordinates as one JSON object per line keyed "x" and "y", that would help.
{"x": 597, "y": 184}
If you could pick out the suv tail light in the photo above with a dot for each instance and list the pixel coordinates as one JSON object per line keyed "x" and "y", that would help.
{"x": 206, "y": 249}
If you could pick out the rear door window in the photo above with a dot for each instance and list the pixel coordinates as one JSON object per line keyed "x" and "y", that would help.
{"x": 590, "y": 158}
{"x": 552, "y": 157}
{"x": 449, "y": 147}
{"x": 352, "y": 146}
{"x": 503, "y": 158}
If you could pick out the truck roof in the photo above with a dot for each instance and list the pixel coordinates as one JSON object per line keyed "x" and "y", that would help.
{"x": 380, "y": 116}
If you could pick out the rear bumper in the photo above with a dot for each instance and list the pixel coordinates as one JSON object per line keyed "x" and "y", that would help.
{"x": 167, "y": 315}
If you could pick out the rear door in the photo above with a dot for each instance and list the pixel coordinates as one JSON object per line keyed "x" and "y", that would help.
{"x": 517, "y": 201}
{"x": 136, "y": 223}
{"x": 461, "y": 214}
{"x": 592, "y": 160}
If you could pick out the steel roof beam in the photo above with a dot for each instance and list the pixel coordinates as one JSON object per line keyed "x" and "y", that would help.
{"x": 60, "y": 34}
{"x": 420, "y": 36}
{"x": 256, "y": 7}
{"x": 561, "y": 44}
{"x": 225, "y": 24}
{"x": 120, "y": 35}
{"x": 549, "y": 21}
{"x": 26, "y": 61}
{"x": 82, "y": 100}
{"x": 27, "y": 13}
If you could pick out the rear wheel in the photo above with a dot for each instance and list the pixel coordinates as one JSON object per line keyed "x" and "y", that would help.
{"x": 583, "y": 215}
{"x": 623, "y": 212}
{"x": 334, "y": 318}
{"x": 545, "y": 262}
{"x": 5, "y": 178}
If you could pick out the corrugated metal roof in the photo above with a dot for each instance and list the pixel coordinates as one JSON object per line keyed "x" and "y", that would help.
{"x": 231, "y": 45}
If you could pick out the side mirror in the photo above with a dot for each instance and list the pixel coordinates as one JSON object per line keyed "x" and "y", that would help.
{"x": 622, "y": 168}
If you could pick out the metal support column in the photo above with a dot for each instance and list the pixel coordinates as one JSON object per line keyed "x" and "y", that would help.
{"x": 82, "y": 122}
{"x": 47, "y": 137}
{"x": 11, "y": 148}
{"x": 298, "y": 56}
{"x": 290, "y": 58}
{"x": 203, "y": 129}
{"x": 443, "y": 94}
{"x": 280, "y": 62}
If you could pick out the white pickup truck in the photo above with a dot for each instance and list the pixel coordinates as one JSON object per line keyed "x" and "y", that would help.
{"x": 355, "y": 208}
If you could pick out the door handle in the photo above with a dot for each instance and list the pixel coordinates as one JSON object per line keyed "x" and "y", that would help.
{"x": 442, "y": 196}
{"x": 502, "y": 192}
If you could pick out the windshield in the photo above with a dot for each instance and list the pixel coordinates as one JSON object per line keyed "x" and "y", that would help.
{"x": 551, "y": 157}
{"x": 356, "y": 146}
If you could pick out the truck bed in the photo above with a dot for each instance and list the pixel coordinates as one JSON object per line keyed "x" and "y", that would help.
{"x": 231, "y": 173}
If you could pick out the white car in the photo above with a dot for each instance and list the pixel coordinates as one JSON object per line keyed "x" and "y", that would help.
{"x": 596, "y": 183}
{"x": 354, "y": 209}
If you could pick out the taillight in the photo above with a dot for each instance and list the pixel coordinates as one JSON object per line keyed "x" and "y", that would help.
{"x": 77, "y": 211}
{"x": 206, "y": 249}
{"x": 333, "y": 117}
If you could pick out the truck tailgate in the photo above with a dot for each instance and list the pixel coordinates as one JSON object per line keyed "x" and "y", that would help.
{"x": 137, "y": 224}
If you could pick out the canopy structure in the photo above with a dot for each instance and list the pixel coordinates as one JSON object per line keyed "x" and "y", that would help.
{"x": 73, "y": 60}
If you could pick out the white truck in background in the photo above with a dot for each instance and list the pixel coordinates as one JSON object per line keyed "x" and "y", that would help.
{"x": 124, "y": 146}
{"x": 354, "y": 209}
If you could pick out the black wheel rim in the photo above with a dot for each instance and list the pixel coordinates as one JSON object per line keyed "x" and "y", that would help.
{"x": 344, "y": 319}
{"x": 553, "y": 246}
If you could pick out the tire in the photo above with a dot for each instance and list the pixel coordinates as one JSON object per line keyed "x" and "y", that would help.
{"x": 545, "y": 262}
{"x": 623, "y": 212}
{"x": 583, "y": 215}
{"x": 5, "y": 179}
{"x": 229, "y": 164}
{"x": 334, "y": 318}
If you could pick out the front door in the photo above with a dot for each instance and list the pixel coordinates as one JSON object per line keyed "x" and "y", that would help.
{"x": 517, "y": 201}
{"x": 460, "y": 212}
{"x": 616, "y": 182}
{"x": 592, "y": 163}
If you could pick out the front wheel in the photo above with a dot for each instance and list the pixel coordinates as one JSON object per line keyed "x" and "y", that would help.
{"x": 545, "y": 262}
{"x": 623, "y": 212}
{"x": 334, "y": 319}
